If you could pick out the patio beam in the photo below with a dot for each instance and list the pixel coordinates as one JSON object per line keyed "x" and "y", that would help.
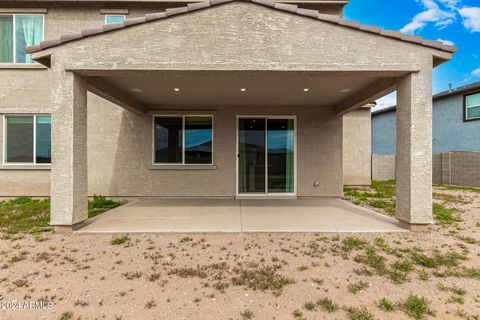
{"x": 369, "y": 94}
{"x": 115, "y": 95}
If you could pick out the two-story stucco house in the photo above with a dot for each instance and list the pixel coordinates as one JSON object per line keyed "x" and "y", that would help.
{"x": 210, "y": 99}
{"x": 456, "y": 122}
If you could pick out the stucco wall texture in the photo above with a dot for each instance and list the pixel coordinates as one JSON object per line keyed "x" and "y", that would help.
{"x": 120, "y": 159}
{"x": 450, "y": 132}
{"x": 357, "y": 147}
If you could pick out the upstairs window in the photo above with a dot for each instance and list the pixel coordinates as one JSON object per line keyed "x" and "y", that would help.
{"x": 109, "y": 19}
{"x": 27, "y": 139}
{"x": 472, "y": 107}
{"x": 183, "y": 139}
{"x": 17, "y": 32}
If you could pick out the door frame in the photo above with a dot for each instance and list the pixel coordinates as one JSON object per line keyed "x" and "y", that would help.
{"x": 237, "y": 177}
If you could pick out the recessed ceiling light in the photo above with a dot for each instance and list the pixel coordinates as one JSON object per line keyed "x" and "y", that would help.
{"x": 176, "y": 89}
{"x": 345, "y": 90}
{"x": 137, "y": 90}
{"x": 305, "y": 89}
{"x": 243, "y": 89}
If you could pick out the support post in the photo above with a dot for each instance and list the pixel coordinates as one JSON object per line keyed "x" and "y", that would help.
{"x": 69, "y": 186}
{"x": 414, "y": 151}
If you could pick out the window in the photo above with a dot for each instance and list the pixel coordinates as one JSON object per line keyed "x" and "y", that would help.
{"x": 472, "y": 107}
{"x": 16, "y": 33}
{"x": 109, "y": 19}
{"x": 27, "y": 139}
{"x": 183, "y": 139}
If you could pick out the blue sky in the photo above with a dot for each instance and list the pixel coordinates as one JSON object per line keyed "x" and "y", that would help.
{"x": 456, "y": 21}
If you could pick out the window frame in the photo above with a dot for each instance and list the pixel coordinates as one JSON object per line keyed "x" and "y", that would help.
{"x": 4, "y": 149}
{"x": 183, "y": 116}
{"x": 14, "y": 15}
{"x": 114, "y": 15}
{"x": 465, "y": 107}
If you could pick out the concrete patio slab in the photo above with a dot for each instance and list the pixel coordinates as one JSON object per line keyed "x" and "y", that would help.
{"x": 272, "y": 215}
{"x": 325, "y": 215}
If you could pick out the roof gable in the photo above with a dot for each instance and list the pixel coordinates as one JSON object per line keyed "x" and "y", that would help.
{"x": 312, "y": 14}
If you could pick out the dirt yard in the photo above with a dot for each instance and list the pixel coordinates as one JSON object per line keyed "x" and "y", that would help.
{"x": 253, "y": 276}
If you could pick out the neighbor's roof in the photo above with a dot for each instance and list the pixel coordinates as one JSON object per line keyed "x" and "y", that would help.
{"x": 269, "y": 3}
{"x": 460, "y": 90}
{"x": 469, "y": 87}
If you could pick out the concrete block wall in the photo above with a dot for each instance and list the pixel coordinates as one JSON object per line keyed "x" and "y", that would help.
{"x": 465, "y": 168}
{"x": 383, "y": 167}
{"x": 437, "y": 168}
{"x": 457, "y": 168}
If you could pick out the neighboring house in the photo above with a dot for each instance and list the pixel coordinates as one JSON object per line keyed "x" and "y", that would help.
{"x": 456, "y": 123}
{"x": 210, "y": 99}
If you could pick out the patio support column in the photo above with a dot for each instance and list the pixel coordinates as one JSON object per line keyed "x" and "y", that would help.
{"x": 69, "y": 185}
{"x": 414, "y": 150}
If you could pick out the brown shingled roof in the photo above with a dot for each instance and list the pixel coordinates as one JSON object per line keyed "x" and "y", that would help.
{"x": 269, "y": 3}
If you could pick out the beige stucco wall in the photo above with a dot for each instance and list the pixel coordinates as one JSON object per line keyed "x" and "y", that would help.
{"x": 120, "y": 157}
{"x": 120, "y": 146}
{"x": 357, "y": 144}
{"x": 191, "y": 42}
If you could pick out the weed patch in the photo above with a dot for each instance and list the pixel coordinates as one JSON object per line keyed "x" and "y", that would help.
{"x": 263, "y": 278}
{"x": 118, "y": 240}
{"x": 25, "y": 215}
{"x": 357, "y": 287}
{"x": 100, "y": 204}
{"x": 359, "y": 314}
{"x": 450, "y": 259}
{"x": 246, "y": 314}
{"x": 327, "y": 305}
{"x": 444, "y": 215}
{"x": 416, "y": 307}
{"x": 386, "y": 305}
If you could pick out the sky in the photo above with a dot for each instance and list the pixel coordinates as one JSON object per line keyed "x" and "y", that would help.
{"x": 454, "y": 22}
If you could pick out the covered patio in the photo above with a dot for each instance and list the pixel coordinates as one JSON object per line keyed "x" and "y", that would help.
{"x": 207, "y": 215}
{"x": 227, "y": 59}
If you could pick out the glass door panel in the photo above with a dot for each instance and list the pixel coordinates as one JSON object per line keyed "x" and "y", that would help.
{"x": 280, "y": 146}
{"x": 251, "y": 154}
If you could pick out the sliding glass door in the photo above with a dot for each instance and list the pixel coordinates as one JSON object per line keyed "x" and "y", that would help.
{"x": 266, "y": 155}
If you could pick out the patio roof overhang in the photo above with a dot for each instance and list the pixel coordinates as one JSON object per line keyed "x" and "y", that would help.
{"x": 211, "y": 54}
{"x": 144, "y": 91}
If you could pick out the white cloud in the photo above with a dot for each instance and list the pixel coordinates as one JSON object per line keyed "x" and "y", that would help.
{"x": 452, "y": 4}
{"x": 447, "y": 42}
{"x": 433, "y": 13}
{"x": 442, "y": 13}
{"x": 386, "y": 101}
{"x": 476, "y": 72}
{"x": 471, "y": 18}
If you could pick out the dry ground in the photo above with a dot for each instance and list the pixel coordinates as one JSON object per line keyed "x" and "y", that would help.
{"x": 252, "y": 276}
